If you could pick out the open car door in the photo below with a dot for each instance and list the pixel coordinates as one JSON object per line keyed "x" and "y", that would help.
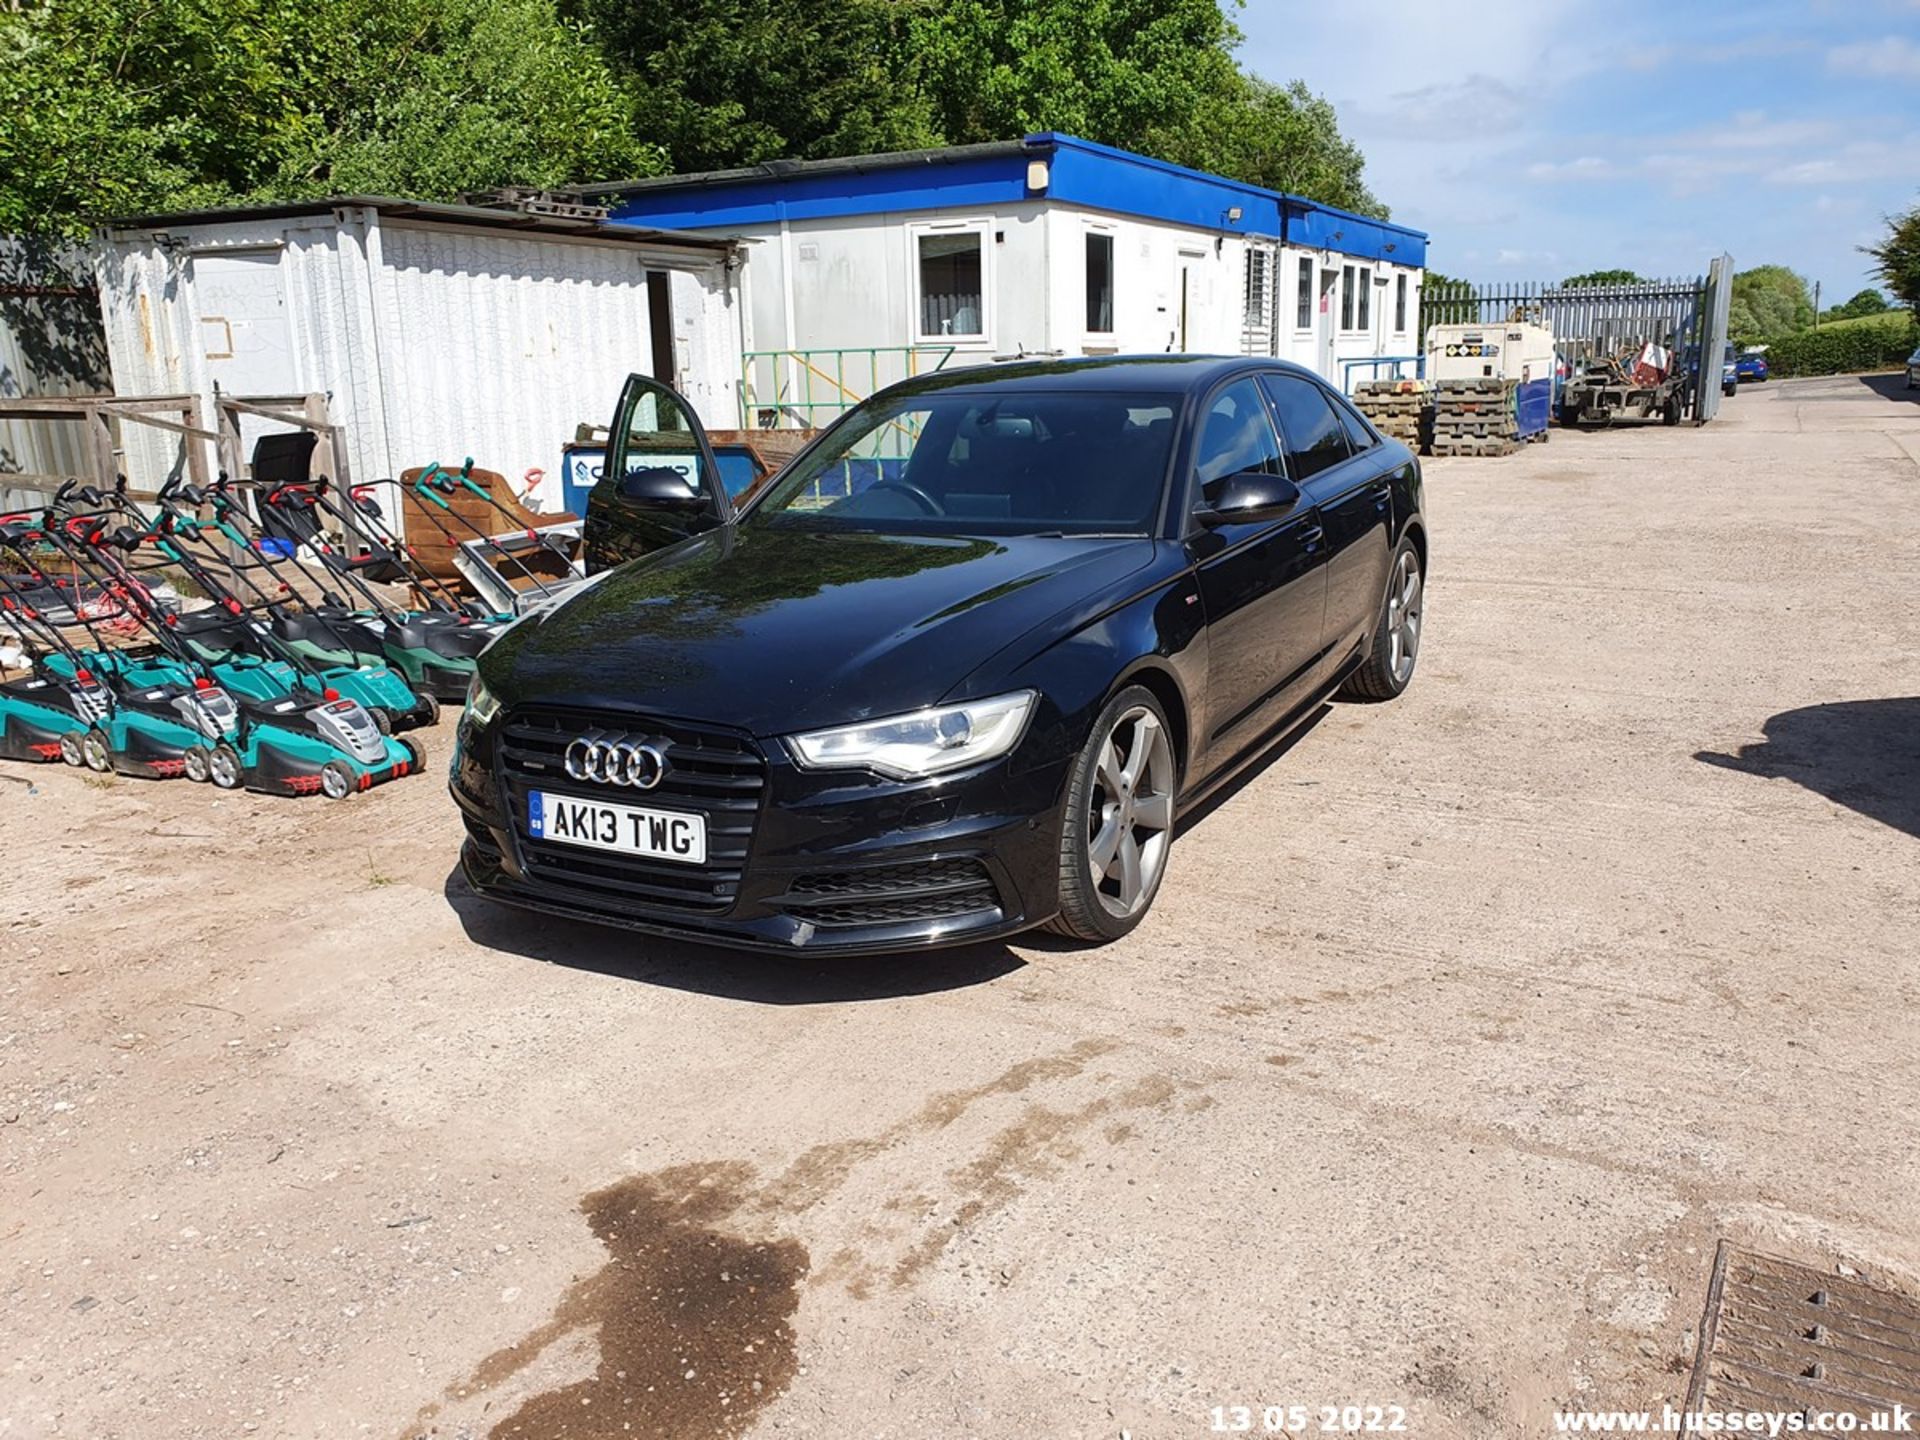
{"x": 660, "y": 482}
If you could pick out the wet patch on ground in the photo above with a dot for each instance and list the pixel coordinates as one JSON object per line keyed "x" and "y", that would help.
{"x": 693, "y": 1321}
{"x": 693, "y": 1318}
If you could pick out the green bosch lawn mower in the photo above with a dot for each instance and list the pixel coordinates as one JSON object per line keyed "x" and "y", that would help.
{"x": 434, "y": 647}
{"x": 246, "y": 618}
{"x": 119, "y": 712}
{"x": 260, "y": 724}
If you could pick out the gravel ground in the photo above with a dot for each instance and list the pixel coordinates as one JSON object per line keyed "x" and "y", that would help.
{"x": 1459, "y": 1034}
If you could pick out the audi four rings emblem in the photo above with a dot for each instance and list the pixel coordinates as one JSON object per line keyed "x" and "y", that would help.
{"x": 641, "y": 764}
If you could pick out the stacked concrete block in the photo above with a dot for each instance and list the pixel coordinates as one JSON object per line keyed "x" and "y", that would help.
{"x": 1400, "y": 409}
{"x": 1475, "y": 417}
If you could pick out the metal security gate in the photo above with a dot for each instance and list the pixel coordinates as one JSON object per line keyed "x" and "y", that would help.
{"x": 1685, "y": 314}
{"x": 1714, "y": 308}
{"x": 1259, "y": 327}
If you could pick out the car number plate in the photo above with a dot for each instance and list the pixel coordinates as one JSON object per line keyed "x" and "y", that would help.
{"x": 622, "y": 829}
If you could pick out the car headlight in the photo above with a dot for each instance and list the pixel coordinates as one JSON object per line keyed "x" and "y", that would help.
{"x": 927, "y": 742}
{"x": 482, "y": 703}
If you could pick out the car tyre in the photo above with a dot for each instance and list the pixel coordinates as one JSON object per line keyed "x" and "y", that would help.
{"x": 1117, "y": 826}
{"x": 1396, "y": 636}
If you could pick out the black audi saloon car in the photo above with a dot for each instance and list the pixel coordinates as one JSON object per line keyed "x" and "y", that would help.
{"x": 956, "y": 671}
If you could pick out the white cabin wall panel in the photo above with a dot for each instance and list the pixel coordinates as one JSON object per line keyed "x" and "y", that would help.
{"x": 497, "y": 346}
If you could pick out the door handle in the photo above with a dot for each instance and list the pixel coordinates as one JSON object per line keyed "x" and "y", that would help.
{"x": 1383, "y": 498}
{"x": 1310, "y": 539}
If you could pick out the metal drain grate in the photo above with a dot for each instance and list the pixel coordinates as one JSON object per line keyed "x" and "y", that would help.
{"x": 1783, "y": 1337}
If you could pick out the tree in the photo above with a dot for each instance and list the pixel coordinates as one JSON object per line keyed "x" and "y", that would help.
{"x": 723, "y": 83}
{"x": 1603, "y": 277}
{"x": 1768, "y": 301}
{"x": 117, "y": 106}
{"x": 1866, "y": 302}
{"x": 1899, "y": 257}
{"x": 734, "y": 82}
{"x": 1282, "y": 137}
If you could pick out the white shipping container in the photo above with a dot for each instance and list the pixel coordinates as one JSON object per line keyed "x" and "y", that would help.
{"x": 435, "y": 332}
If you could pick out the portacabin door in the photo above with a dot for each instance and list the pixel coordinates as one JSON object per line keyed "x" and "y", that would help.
{"x": 1263, "y": 584}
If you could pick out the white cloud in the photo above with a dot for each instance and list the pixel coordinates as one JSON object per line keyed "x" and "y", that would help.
{"x": 1585, "y": 167}
{"x": 1891, "y": 56}
{"x": 1857, "y": 162}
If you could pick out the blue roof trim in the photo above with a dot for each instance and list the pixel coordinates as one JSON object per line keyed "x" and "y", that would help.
{"x": 1103, "y": 178}
{"x": 1313, "y": 226}
{"x": 988, "y": 180}
{"x": 1082, "y": 173}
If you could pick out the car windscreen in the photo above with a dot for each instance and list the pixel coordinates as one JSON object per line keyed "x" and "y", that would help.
{"x": 1015, "y": 462}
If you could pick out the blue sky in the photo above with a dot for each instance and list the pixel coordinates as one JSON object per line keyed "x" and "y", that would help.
{"x": 1531, "y": 141}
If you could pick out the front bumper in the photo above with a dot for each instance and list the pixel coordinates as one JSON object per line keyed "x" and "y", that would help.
{"x": 820, "y": 862}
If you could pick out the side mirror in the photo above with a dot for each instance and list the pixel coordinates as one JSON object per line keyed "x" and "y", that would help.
{"x": 1249, "y": 498}
{"x": 659, "y": 487}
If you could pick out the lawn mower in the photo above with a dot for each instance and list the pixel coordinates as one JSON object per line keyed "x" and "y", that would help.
{"x": 278, "y": 734}
{"x": 40, "y": 720}
{"x": 329, "y": 649}
{"x": 433, "y": 647}
{"x": 118, "y": 711}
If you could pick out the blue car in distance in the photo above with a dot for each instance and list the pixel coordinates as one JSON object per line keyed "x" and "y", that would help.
{"x": 1751, "y": 365}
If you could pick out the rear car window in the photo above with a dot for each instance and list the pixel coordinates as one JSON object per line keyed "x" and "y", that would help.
{"x": 1312, "y": 432}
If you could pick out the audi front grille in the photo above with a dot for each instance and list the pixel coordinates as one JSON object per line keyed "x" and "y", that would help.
{"x": 715, "y": 773}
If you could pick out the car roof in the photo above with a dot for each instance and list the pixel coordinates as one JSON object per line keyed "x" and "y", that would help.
{"x": 1093, "y": 374}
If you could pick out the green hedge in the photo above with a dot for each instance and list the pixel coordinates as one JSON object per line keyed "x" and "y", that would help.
{"x": 1871, "y": 342}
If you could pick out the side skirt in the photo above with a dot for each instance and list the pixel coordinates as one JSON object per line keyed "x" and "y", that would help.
{"x": 1272, "y": 736}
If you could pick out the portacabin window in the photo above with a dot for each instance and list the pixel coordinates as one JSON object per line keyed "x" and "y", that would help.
{"x": 951, "y": 269}
{"x": 1099, "y": 283}
{"x": 1366, "y": 299}
{"x": 1400, "y": 304}
{"x": 1303, "y": 304}
{"x": 1346, "y": 297}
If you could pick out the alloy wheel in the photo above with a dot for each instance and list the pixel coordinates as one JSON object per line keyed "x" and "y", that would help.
{"x": 1130, "y": 812}
{"x": 1405, "y": 602}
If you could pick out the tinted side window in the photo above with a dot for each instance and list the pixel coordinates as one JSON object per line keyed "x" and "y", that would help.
{"x": 1313, "y": 434}
{"x": 1359, "y": 437}
{"x": 1236, "y": 435}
